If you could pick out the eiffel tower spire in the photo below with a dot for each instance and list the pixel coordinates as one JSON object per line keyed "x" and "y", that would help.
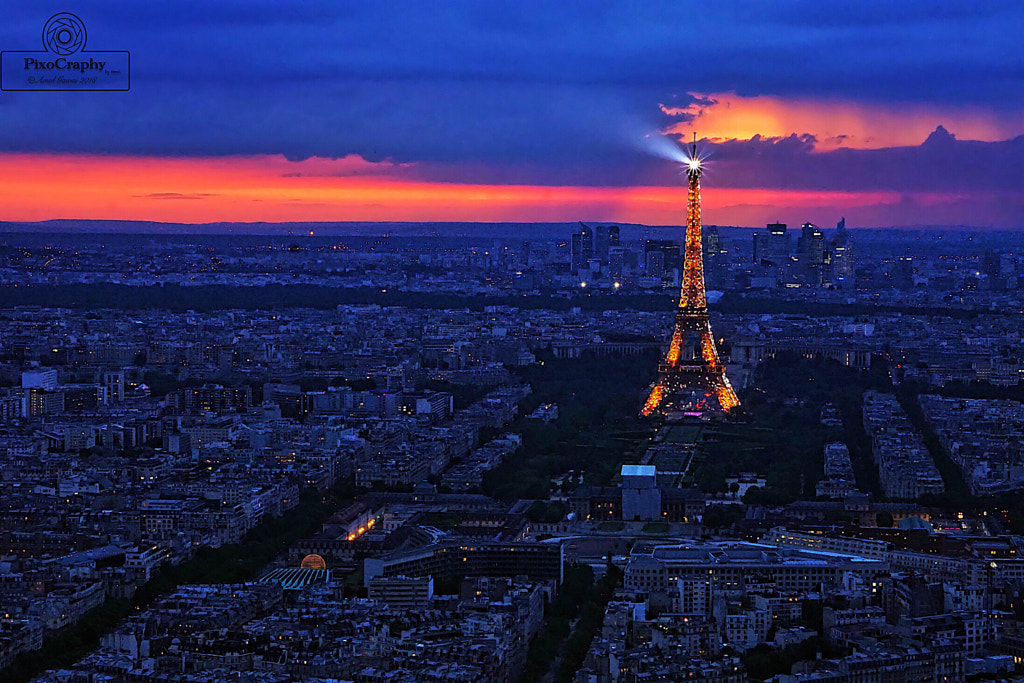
{"x": 697, "y": 383}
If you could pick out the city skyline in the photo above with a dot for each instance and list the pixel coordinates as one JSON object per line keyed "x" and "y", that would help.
{"x": 890, "y": 117}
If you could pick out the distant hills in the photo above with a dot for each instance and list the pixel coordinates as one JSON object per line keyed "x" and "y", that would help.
{"x": 629, "y": 231}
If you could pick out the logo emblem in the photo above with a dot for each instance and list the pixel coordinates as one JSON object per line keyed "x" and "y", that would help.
{"x": 64, "y": 63}
{"x": 64, "y": 34}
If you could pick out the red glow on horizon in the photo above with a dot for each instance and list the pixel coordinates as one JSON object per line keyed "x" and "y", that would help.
{"x": 268, "y": 188}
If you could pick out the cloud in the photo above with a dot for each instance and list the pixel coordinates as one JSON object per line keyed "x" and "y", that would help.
{"x": 941, "y": 163}
{"x": 834, "y": 123}
{"x": 175, "y": 195}
{"x": 350, "y": 166}
{"x": 516, "y": 83}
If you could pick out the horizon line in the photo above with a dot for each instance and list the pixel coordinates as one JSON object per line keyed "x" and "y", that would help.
{"x": 11, "y": 227}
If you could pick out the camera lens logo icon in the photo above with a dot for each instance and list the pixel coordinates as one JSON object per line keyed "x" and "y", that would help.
{"x": 64, "y": 34}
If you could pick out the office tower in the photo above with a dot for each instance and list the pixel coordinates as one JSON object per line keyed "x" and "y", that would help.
{"x": 605, "y": 237}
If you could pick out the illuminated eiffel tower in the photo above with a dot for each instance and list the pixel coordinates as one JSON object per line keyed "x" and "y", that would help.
{"x": 697, "y": 383}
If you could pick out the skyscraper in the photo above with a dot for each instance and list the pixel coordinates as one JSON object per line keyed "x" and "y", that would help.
{"x": 714, "y": 244}
{"x": 812, "y": 253}
{"x": 778, "y": 241}
{"x": 576, "y": 259}
{"x": 668, "y": 249}
{"x": 605, "y": 237}
{"x": 581, "y": 246}
{"x": 586, "y": 242}
{"x": 816, "y": 248}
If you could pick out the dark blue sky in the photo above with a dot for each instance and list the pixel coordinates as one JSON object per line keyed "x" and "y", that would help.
{"x": 554, "y": 93}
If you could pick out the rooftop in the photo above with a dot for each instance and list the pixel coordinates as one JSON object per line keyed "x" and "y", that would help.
{"x": 639, "y": 471}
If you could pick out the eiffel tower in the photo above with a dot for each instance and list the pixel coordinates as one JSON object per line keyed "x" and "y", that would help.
{"x": 696, "y": 383}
